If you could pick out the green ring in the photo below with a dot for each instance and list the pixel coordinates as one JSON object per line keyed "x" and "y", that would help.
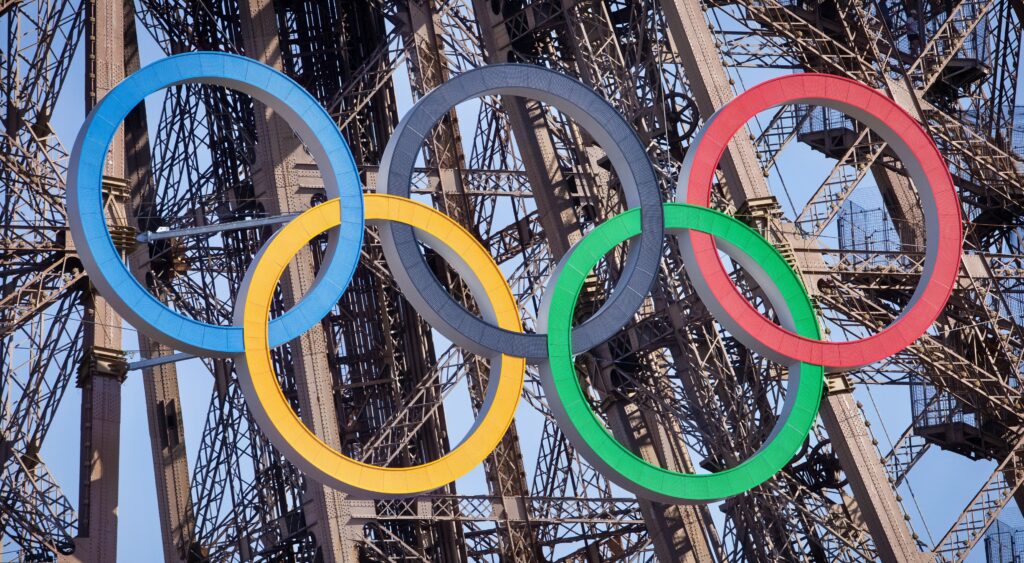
{"x": 587, "y": 432}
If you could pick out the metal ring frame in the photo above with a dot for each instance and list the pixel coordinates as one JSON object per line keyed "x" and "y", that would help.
{"x": 85, "y": 202}
{"x": 587, "y": 433}
{"x": 925, "y": 166}
{"x": 274, "y": 413}
{"x": 626, "y": 154}
{"x": 498, "y": 334}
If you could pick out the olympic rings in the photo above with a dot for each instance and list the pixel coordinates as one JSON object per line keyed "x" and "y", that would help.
{"x": 587, "y": 432}
{"x": 271, "y": 408}
{"x": 626, "y": 154}
{"x": 103, "y": 261}
{"x": 926, "y": 167}
{"x": 498, "y": 333}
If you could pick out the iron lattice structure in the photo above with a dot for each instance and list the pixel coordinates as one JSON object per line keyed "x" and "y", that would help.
{"x": 528, "y": 183}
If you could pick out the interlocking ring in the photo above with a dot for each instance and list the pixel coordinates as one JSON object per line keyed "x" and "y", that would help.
{"x": 275, "y": 415}
{"x": 925, "y": 166}
{"x": 625, "y": 153}
{"x": 498, "y": 332}
{"x": 585, "y": 430}
{"x": 85, "y": 201}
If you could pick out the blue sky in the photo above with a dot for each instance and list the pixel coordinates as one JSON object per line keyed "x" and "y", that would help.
{"x": 942, "y": 484}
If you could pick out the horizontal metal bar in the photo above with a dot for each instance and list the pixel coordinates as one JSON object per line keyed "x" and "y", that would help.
{"x": 219, "y": 227}
{"x": 159, "y": 361}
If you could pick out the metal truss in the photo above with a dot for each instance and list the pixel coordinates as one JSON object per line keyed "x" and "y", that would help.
{"x": 203, "y": 194}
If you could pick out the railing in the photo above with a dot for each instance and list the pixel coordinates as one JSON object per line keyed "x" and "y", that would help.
{"x": 825, "y": 119}
{"x": 1004, "y": 544}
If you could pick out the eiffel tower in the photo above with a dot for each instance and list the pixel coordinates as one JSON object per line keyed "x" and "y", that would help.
{"x": 199, "y": 177}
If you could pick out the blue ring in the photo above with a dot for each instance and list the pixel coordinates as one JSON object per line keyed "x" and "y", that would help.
{"x": 103, "y": 262}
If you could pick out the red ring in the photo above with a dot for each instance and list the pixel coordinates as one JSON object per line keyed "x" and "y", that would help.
{"x": 944, "y": 228}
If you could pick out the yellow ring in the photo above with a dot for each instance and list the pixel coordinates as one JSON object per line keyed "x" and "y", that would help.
{"x": 286, "y": 430}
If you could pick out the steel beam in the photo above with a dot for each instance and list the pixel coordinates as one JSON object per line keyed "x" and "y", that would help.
{"x": 711, "y": 89}
{"x": 678, "y": 532}
{"x": 278, "y": 181}
{"x": 505, "y": 472}
{"x": 103, "y": 367}
{"x": 160, "y": 382}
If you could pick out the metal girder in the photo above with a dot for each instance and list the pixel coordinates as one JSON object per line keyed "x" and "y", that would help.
{"x": 39, "y": 302}
{"x": 278, "y": 181}
{"x": 673, "y": 371}
{"x": 850, "y": 440}
{"x": 103, "y": 368}
{"x": 984, "y": 508}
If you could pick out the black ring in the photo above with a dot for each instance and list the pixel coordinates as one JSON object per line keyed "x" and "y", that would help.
{"x": 627, "y": 156}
